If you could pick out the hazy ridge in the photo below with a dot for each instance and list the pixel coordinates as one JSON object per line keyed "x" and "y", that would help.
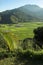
{"x": 27, "y": 13}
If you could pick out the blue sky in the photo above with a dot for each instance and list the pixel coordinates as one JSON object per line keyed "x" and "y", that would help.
{"x": 11, "y": 4}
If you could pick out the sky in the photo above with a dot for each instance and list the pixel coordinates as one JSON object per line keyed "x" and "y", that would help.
{"x": 11, "y": 4}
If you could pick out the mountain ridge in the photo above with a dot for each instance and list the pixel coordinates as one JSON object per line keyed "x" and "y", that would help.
{"x": 27, "y": 13}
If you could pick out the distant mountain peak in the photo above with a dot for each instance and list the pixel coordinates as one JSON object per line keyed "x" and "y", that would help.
{"x": 26, "y": 13}
{"x": 31, "y": 5}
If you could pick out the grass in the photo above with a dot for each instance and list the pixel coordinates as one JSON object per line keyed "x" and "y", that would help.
{"x": 15, "y": 32}
{"x": 7, "y": 61}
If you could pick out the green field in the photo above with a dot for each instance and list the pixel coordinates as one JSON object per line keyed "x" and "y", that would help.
{"x": 13, "y": 33}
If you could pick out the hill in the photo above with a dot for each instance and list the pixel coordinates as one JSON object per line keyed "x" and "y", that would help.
{"x": 27, "y": 13}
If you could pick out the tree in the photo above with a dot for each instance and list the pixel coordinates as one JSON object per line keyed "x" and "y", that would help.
{"x": 38, "y": 36}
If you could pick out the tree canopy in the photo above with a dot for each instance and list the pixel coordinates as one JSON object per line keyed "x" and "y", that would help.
{"x": 38, "y": 36}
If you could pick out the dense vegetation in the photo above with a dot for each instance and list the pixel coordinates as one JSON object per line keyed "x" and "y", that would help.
{"x": 17, "y": 46}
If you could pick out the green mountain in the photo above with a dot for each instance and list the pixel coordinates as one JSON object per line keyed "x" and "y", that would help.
{"x": 27, "y": 13}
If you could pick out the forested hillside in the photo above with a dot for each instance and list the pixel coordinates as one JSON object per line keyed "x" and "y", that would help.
{"x": 27, "y": 13}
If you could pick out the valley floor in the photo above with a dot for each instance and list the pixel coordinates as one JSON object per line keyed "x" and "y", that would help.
{"x": 11, "y": 37}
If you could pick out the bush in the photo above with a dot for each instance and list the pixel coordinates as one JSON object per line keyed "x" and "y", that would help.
{"x": 30, "y": 55}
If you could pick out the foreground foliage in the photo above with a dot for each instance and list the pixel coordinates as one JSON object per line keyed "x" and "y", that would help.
{"x": 16, "y": 45}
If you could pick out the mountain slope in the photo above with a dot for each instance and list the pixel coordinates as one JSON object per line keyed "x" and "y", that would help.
{"x": 33, "y": 10}
{"x": 27, "y": 13}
